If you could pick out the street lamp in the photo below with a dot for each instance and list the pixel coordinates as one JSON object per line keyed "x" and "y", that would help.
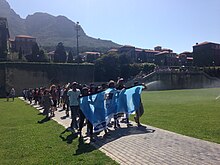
{"x": 77, "y": 40}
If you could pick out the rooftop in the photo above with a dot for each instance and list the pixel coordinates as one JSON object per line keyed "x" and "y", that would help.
{"x": 162, "y": 53}
{"x": 186, "y": 52}
{"x": 205, "y": 43}
{"x": 113, "y": 50}
{"x": 24, "y": 36}
{"x": 95, "y": 53}
{"x": 138, "y": 50}
{"x": 151, "y": 51}
{"x": 127, "y": 46}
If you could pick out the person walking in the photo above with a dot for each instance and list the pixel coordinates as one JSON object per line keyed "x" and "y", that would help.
{"x": 46, "y": 101}
{"x": 65, "y": 99}
{"x": 54, "y": 95}
{"x": 12, "y": 93}
{"x": 139, "y": 110}
{"x": 73, "y": 95}
{"x": 120, "y": 87}
{"x": 85, "y": 92}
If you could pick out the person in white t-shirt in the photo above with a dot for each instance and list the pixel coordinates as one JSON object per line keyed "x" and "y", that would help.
{"x": 73, "y": 95}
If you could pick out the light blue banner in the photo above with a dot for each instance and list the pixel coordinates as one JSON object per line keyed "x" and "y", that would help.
{"x": 101, "y": 107}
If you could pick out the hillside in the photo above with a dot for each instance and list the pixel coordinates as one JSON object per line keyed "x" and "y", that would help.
{"x": 49, "y": 30}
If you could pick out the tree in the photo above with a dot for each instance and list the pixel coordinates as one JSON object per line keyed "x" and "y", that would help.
{"x": 42, "y": 57}
{"x": 70, "y": 57}
{"x": 20, "y": 54}
{"x": 124, "y": 59}
{"x": 3, "y": 54}
{"x": 78, "y": 59}
{"x": 60, "y": 53}
{"x": 35, "y": 53}
{"x": 107, "y": 68}
{"x": 112, "y": 66}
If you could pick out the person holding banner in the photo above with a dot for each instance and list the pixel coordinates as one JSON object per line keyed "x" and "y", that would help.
{"x": 85, "y": 102}
{"x": 139, "y": 110}
{"x": 73, "y": 95}
{"x": 120, "y": 87}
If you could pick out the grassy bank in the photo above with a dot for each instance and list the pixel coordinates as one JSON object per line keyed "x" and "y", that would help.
{"x": 194, "y": 113}
{"x": 24, "y": 141}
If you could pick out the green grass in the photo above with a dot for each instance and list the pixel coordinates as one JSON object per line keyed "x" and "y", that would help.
{"x": 24, "y": 141}
{"x": 194, "y": 113}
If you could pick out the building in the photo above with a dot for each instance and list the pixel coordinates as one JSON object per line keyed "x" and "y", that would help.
{"x": 147, "y": 56}
{"x": 158, "y": 48}
{"x": 185, "y": 59}
{"x": 128, "y": 51}
{"x": 206, "y": 54}
{"x": 90, "y": 56}
{"x": 23, "y": 42}
{"x": 51, "y": 55}
{"x": 4, "y": 36}
{"x": 160, "y": 56}
{"x": 166, "y": 58}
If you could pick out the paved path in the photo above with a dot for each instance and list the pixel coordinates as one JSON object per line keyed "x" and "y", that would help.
{"x": 148, "y": 145}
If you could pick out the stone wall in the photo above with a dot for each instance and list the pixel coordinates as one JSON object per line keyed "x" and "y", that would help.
{"x": 170, "y": 80}
{"x": 31, "y": 75}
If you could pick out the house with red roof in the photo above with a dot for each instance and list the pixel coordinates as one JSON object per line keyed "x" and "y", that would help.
{"x": 23, "y": 42}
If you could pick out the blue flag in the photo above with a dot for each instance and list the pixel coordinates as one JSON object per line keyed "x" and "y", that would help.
{"x": 100, "y": 108}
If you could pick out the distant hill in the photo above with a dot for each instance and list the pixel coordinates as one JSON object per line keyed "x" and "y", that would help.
{"x": 49, "y": 30}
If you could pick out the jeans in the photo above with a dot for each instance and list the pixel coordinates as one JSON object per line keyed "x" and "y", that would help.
{"x": 74, "y": 114}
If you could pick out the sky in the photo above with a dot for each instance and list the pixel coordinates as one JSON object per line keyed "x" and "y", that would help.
{"x": 173, "y": 24}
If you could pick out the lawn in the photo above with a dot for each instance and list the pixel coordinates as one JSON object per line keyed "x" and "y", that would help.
{"x": 24, "y": 141}
{"x": 194, "y": 113}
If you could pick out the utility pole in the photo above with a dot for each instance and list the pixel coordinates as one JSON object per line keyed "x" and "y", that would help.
{"x": 77, "y": 41}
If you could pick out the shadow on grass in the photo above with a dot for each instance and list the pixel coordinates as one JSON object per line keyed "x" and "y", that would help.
{"x": 46, "y": 119}
{"x": 69, "y": 138}
{"x": 83, "y": 147}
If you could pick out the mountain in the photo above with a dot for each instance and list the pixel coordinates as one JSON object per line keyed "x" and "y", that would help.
{"x": 49, "y": 30}
{"x": 15, "y": 22}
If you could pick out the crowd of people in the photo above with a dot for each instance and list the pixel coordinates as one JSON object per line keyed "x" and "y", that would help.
{"x": 67, "y": 97}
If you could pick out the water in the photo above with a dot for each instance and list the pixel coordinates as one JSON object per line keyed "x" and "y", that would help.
{"x": 217, "y": 97}
{"x": 153, "y": 85}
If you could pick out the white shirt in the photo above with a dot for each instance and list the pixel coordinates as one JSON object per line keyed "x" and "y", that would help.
{"x": 73, "y": 97}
